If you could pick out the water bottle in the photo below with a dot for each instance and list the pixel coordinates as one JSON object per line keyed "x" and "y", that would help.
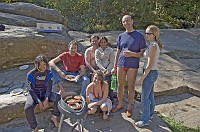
{"x": 113, "y": 82}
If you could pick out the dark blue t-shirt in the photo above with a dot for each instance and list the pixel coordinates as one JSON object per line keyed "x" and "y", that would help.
{"x": 133, "y": 41}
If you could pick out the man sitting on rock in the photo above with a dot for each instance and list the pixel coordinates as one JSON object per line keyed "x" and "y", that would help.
{"x": 72, "y": 62}
{"x": 39, "y": 82}
{"x": 90, "y": 56}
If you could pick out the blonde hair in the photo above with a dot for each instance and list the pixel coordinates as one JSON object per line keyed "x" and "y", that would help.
{"x": 156, "y": 32}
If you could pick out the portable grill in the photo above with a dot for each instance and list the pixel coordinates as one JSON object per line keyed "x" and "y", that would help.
{"x": 67, "y": 111}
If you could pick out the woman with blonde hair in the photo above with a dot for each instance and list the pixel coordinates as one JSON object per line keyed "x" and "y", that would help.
{"x": 97, "y": 95}
{"x": 150, "y": 75}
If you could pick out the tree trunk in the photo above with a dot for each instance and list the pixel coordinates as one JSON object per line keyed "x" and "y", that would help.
{"x": 197, "y": 23}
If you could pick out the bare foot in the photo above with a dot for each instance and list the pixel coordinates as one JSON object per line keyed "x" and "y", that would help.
{"x": 36, "y": 129}
{"x": 55, "y": 121}
{"x": 90, "y": 112}
{"x": 105, "y": 116}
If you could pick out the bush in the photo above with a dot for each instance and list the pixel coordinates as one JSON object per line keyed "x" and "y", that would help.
{"x": 95, "y": 15}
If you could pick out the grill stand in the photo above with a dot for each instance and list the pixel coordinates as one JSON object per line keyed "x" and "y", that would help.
{"x": 79, "y": 122}
{"x": 66, "y": 111}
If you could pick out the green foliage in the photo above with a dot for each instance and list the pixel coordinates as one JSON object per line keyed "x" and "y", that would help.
{"x": 177, "y": 126}
{"x": 105, "y": 15}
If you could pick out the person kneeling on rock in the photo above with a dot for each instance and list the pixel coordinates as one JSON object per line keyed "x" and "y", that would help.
{"x": 39, "y": 83}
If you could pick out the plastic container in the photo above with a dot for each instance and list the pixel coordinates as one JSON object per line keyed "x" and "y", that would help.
{"x": 113, "y": 82}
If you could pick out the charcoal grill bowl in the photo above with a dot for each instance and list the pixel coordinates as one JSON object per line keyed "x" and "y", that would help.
{"x": 66, "y": 111}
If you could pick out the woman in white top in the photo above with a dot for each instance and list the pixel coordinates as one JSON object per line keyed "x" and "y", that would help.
{"x": 104, "y": 57}
{"x": 150, "y": 75}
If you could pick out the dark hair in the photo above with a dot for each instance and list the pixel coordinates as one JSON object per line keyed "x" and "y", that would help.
{"x": 103, "y": 37}
{"x": 40, "y": 58}
{"x": 73, "y": 42}
{"x": 129, "y": 16}
{"x": 99, "y": 74}
{"x": 94, "y": 36}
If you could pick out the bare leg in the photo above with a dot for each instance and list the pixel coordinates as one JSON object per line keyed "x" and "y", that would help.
{"x": 121, "y": 75}
{"x": 131, "y": 77}
{"x": 62, "y": 90}
{"x": 92, "y": 110}
{"x": 104, "y": 108}
{"x": 55, "y": 121}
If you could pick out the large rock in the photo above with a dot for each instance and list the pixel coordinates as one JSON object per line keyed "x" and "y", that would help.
{"x": 34, "y": 11}
{"x": 175, "y": 76}
{"x": 12, "y": 107}
{"x": 179, "y": 63}
{"x": 18, "y": 20}
{"x": 181, "y": 44}
{"x": 20, "y": 45}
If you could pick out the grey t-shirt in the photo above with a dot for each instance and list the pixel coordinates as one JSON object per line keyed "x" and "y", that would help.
{"x": 105, "y": 59}
{"x": 146, "y": 54}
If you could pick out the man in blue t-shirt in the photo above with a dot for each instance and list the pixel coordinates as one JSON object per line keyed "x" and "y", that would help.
{"x": 130, "y": 47}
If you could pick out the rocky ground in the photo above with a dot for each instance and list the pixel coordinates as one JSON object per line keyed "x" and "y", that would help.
{"x": 116, "y": 122}
{"x": 177, "y": 89}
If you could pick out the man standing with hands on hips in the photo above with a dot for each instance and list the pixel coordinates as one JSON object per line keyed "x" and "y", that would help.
{"x": 130, "y": 47}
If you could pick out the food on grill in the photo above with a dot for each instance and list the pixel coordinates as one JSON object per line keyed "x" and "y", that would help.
{"x": 73, "y": 106}
{"x": 74, "y": 102}
{"x": 70, "y": 77}
{"x": 78, "y": 106}
{"x": 67, "y": 98}
{"x": 77, "y": 97}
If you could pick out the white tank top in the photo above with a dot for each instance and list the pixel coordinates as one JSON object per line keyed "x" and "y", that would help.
{"x": 146, "y": 54}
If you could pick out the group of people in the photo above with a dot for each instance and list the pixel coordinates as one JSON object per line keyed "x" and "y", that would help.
{"x": 94, "y": 71}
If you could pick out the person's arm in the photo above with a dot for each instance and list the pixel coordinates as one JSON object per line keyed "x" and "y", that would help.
{"x": 128, "y": 53}
{"x": 115, "y": 62}
{"x": 52, "y": 64}
{"x": 116, "y": 58}
{"x": 98, "y": 61}
{"x": 30, "y": 87}
{"x": 87, "y": 60}
{"x": 49, "y": 84}
{"x": 88, "y": 91}
{"x": 111, "y": 59}
{"x": 150, "y": 62}
{"x": 142, "y": 46}
{"x": 82, "y": 72}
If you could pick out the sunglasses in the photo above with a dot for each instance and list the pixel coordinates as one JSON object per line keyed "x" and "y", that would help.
{"x": 148, "y": 33}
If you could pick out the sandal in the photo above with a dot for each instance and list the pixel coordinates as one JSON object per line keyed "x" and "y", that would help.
{"x": 116, "y": 109}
